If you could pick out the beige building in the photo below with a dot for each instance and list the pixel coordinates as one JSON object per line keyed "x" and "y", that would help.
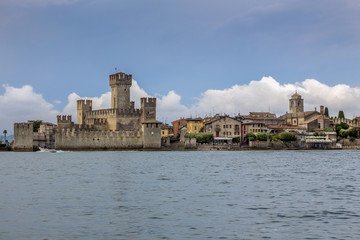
{"x": 223, "y": 127}
{"x": 310, "y": 120}
{"x": 166, "y": 131}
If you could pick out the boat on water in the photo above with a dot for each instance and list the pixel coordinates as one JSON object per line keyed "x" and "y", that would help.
{"x": 47, "y": 150}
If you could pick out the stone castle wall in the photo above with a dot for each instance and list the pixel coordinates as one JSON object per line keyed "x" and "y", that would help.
{"x": 152, "y": 135}
{"x": 85, "y": 139}
{"x": 23, "y": 136}
{"x": 352, "y": 123}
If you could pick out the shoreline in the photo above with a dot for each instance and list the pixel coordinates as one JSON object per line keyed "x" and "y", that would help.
{"x": 192, "y": 150}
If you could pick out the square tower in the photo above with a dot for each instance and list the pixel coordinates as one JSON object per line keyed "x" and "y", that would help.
{"x": 120, "y": 84}
{"x": 296, "y": 103}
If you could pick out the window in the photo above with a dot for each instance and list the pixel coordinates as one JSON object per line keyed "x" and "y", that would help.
{"x": 230, "y": 126}
{"x": 224, "y": 126}
{"x": 195, "y": 127}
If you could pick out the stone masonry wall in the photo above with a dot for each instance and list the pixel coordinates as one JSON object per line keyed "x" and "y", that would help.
{"x": 68, "y": 139}
{"x": 23, "y": 137}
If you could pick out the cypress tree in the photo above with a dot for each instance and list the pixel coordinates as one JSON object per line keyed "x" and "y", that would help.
{"x": 341, "y": 114}
{"x": 326, "y": 112}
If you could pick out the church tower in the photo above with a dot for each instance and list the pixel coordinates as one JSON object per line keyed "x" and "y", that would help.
{"x": 120, "y": 84}
{"x": 296, "y": 103}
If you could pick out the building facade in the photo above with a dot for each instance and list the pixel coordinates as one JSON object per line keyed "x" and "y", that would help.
{"x": 223, "y": 127}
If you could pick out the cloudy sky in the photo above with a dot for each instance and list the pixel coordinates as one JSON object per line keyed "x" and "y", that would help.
{"x": 197, "y": 57}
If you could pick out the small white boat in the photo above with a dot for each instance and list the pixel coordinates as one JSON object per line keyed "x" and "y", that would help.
{"x": 47, "y": 150}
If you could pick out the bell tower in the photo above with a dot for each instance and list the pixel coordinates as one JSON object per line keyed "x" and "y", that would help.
{"x": 120, "y": 84}
{"x": 296, "y": 103}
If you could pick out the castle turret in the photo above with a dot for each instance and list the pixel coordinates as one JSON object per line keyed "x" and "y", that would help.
{"x": 23, "y": 137}
{"x": 120, "y": 84}
{"x": 148, "y": 106}
{"x": 83, "y": 106}
{"x": 64, "y": 121}
{"x": 296, "y": 103}
{"x": 151, "y": 127}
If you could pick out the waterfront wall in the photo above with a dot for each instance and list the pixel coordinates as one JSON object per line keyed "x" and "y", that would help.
{"x": 273, "y": 144}
{"x": 152, "y": 135}
{"x": 72, "y": 139}
{"x": 190, "y": 143}
{"x": 23, "y": 137}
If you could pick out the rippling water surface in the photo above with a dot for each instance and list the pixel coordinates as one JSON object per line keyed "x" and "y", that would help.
{"x": 180, "y": 195}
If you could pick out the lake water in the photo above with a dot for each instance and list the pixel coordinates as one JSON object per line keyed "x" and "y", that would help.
{"x": 180, "y": 195}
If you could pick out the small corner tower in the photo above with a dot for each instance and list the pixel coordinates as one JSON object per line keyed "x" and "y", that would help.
{"x": 148, "y": 106}
{"x": 83, "y": 106}
{"x": 120, "y": 84}
{"x": 150, "y": 126}
{"x": 296, "y": 103}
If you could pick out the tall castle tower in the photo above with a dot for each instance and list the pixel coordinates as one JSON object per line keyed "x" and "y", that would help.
{"x": 120, "y": 84}
{"x": 296, "y": 103}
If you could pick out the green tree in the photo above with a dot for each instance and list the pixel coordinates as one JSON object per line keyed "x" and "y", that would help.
{"x": 36, "y": 124}
{"x": 262, "y": 136}
{"x": 287, "y": 136}
{"x": 5, "y": 132}
{"x": 274, "y": 137}
{"x": 328, "y": 129}
{"x": 201, "y": 137}
{"x": 326, "y": 112}
{"x": 341, "y": 114}
{"x": 344, "y": 133}
{"x": 344, "y": 125}
{"x": 250, "y": 136}
{"x": 236, "y": 140}
{"x": 353, "y": 132}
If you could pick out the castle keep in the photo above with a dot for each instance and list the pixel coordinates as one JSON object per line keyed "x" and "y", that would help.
{"x": 119, "y": 127}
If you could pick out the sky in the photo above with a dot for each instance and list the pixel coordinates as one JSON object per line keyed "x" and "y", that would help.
{"x": 197, "y": 57}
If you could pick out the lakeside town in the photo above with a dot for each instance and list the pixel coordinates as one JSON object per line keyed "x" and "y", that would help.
{"x": 124, "y": 127}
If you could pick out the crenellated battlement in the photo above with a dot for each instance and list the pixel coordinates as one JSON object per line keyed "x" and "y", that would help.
{"x": 64, "y": 118}
{"x": 85, "y": 104}
{"x": 120, "y": 78}
{"x": 148, "y": 107}
{"x": 129, "y": 112}
{"x": 148, "y": 101}
{"x": 352, "y": 123}
{"x": 23, "y": 125}
{"x": 64, "y": 121}
{"x": 104, "y": 113}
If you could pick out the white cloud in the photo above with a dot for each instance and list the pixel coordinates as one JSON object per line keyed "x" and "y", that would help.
{"x": 268, "y": 94}
{"x": 22, "y": 104}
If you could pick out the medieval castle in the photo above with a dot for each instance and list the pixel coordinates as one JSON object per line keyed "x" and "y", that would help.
{"x": 120, "y": 127}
